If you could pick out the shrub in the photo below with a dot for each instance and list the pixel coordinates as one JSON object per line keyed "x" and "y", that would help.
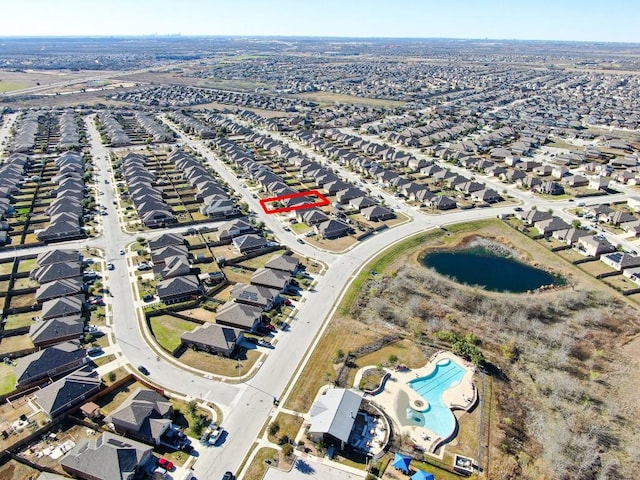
{"x": 274, "y": 428}
{"x": 287, "y": 449}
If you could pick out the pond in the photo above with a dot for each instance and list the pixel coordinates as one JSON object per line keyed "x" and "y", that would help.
{"x": 489, "y": 269}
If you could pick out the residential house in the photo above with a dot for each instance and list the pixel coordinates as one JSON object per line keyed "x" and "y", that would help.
{"x": 442, "y": 202}
{"x": 213, "y": 338}
{"x": 250, "y": 242}
{"x": 549, "y": 225}
{"x": 594, "y": 247}
{"x": 570, "y": 236}
{"x": 160, "y": 255}
{"x": 165, "y": 240}
{"x": 109, "y": 457}
{"x": 255, "y": 295}
{"x": 358, "y": 204}
{"x": 144, "y": 415}
{"x": 532, "y": 216}
{"x": 62, "y": 307}
{"x": 487, "y": 195}
{"x": 377, "y": 213}
{"x": 56, "y": 330}
{"x": 59, "y": 288}
{"x": 57, "y": 256}
{"x": 332, "y": 229}
{"x": 549, "y": 188}
{"x": 284, "y": 262}
{"x": 239, "y": 315}
{"x": 178, "y": 289}
{"x": 71, "y": 390}
{"x": 271, "y": 278}
{"x": 333, "y": 416}
{"x": 176, "y": 266}
{"x": 234, "y": 228}
{"x": 56, "y": 271}
{"x": 620, "y": 260}
{"x": 49, "y": 362}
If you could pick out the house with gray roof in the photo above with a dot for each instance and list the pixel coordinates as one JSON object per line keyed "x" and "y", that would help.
{"x": 49, "y": 362}
{"x": 109, "y": 457}
{"x": 239, "y": 315}
{"x": 59, "y": 288}
{"x": 377, "y": 213}
{"x": 45, "y": 333}
{"x": 62, "y": 307}
{"x": 57, "y": 256}
{"x": 332, "y": 229}
{"x": 268, "y": 277}
{"x": 250, "y": 242}
{"x": 234, "y": 228}
{"x": 175, "y": 266}
{"x": 56, "y": 271}
{"x": 165, "y": 240}
{"x": 178, "y": 289}
{"x": 213, "y": 338}
{"x": 255, "y": 295}
{"x": 284, "y": 262}
{"x": 159, "y": 255}
{"x": 333, "y": 416}
{"x": 594, "y": 247}
{"x": 71, "y": 390}
{"x": 144, "y": 416}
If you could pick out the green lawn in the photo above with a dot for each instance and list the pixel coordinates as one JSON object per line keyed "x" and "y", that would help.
{"x": 167, "y": 330}
{"x": 27, "y": 265}
{"x": 7, "y": 379}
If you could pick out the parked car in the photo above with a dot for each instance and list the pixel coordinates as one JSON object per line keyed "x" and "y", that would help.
{"x": 111, "y": 266}
{"x": 143, "y": 370}
{"x": 94, "y": 351}
{"x": 264, "y": 343}
{"x": 299, "y": 240}
{"x": 164, "y": 463}
{"x": 121, "y": 251}
{"x": 266, "y": 328}
{"x": 143, "y": 266}
{"x": 147, "y": 297}
{"x": 228, "y": 476}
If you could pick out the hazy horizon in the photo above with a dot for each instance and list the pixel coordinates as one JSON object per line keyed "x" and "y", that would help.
{"x": 544, "y": 20}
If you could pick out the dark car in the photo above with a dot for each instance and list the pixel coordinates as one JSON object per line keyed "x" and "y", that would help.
{"x": 266, "y": 328}
{"x": 228, "y": 476}
{"x": 148, "y": 297}
{"x": 143, "y": 370}
{"x": 299, "y": 240}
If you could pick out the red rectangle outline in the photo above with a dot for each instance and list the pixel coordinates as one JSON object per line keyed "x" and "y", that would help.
{"x": 321, "y": 202}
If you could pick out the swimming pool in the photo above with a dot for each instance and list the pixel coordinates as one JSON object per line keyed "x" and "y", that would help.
{"x": 437, "y": 417}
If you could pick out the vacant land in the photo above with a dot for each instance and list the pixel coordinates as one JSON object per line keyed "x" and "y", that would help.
{"x": 550, "y": 352}
{"x": 167, "y": 330}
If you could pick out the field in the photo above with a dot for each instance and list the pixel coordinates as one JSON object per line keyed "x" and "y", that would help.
{"x": 168, "y": 329}
{"x": 219, "y": 365}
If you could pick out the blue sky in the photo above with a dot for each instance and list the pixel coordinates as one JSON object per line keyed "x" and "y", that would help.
{"x": 584, "y": 20}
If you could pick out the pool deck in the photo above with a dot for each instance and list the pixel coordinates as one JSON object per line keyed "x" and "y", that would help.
{"x": 462, "y": 396}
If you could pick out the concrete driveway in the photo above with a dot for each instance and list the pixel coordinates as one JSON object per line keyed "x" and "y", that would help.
{"x": 306, "y": 468}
